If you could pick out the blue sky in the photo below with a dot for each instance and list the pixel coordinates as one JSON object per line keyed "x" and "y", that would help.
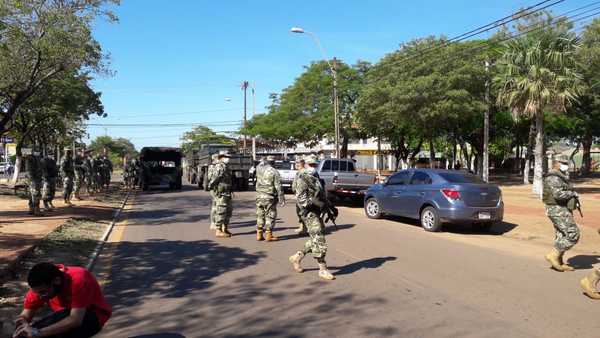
{"x": 177, "y": 61}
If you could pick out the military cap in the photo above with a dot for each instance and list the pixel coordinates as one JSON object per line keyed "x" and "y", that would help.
{"x": 224, "y": 153}
{"x": 270, "y": 158}
{"x": 564, "y": 159}
{"x": 310, "y": 159}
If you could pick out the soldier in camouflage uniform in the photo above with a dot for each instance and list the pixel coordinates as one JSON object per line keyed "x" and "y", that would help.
{"x": 221, "y": 186}
{"x": 590, "y": 283}
{"x": 49, "y": 175}
{"x": 67, "y": 172}
{"x": 301, "y": 231}
{"x": 310, "y": 195}
{"x": 78, "y": 166}
{"x": 559, "y": 198}
{"x": 34, "y": 173}
{"x": 97, "y": 173}
{"x": 88, "y": 175}
{"x": 268, "y": 193}
{"x": 106, "y": 169}
{"x": 213, "y": 198}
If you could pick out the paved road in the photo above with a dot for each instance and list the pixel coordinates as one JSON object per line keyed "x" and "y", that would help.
{"x": 171, "y": 278}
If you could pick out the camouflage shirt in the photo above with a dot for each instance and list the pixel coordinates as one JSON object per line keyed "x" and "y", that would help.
{"x": 557, "y": 190}
{"x": 307, "y": 187}
{"x": 268, "y": 183}
{"x": 49, "y": 169}
{"x": 66, "y": 167}
{"x": 221, "y": 181}
{"x": 34, "y": 168}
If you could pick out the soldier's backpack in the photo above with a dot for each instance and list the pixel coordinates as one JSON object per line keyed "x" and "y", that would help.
{"x": 316, "y": 192}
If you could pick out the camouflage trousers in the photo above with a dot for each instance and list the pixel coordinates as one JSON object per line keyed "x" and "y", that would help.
{"x": 567, "y": 232}
{"x": 77, "y": 183}
{"x": 266, "y": 214}
{"x": 67, "y": 187}
{"x": 316, "y": 245}
{"x": 223, "y": 210}
{"x": 48, "y": 189}
{"x": 35, "y": 194}
{"x": 213, "y": 208}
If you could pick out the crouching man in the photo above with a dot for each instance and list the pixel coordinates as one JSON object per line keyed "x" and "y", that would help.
{"x": 79, "y": 309}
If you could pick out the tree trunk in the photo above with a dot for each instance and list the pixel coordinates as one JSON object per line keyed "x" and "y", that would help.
{"x": 538, "y": 171}
{"x": 344, "y": 150}
{"x": 586, "y": 164}
{"x": 467, "y": 158}
{"x": 431, "y": 155}
{"x": 529, "y": 151}
{"x": 18, "y": 163}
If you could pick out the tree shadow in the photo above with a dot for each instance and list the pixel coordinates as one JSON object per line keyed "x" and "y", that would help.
{"x": 584, "y": 262}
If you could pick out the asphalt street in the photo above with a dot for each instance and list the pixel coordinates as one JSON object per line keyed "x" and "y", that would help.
{"x": 169, "y": 277}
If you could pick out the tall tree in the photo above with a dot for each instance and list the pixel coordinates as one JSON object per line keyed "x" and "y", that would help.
{"x": 39, "y": 40}
{"x": 537, "y": 72}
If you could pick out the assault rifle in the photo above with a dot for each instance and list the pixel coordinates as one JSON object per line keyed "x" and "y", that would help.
{"x": 330, "y": 213}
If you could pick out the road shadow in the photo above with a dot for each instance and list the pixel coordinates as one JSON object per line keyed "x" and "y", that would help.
{"x": 159, "y": 335}
{"x": 584, "y": 262}
{"x": 163, "y": 268}
{"x": 372, "y": 263}
{"x": 497, "y": 229}
{"x": 329, "y": 230}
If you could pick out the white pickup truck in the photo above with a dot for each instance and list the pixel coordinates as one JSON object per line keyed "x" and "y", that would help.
{"x": 287, "y": 171}
{"x": 341, "y": 178}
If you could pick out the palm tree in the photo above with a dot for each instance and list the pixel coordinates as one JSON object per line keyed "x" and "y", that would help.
{"x": 537, "y": 75}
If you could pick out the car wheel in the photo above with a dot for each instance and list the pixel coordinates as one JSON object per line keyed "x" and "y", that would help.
{"x": 373, "y": 209}
{"x": 430, "y": 220}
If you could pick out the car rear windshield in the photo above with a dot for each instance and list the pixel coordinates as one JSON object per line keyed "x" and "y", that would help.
{"x": 461, "y": 178}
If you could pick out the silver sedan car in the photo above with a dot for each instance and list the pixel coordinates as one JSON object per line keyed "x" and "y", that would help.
{"x": 435, "y": 197}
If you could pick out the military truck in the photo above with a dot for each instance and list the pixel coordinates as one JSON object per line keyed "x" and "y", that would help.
{"x": 239, "y": 165}
{"x": 161, "y": 166}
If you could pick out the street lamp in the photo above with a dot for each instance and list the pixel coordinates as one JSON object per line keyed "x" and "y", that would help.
{"x": 333, "y": 68}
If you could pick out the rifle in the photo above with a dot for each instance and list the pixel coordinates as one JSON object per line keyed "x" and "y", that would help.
{"x": 578, "y": 206}
{"x": 330, "y": 213}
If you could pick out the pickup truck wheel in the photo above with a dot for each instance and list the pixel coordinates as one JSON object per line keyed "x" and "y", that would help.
{"x": 430, "y": 220}
{"x": 373, "y": 209}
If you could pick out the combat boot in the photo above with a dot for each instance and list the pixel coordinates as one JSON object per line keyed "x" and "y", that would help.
{"x": 220, "y": 234}
{"x": 226, "y": 231}
{"x": 565, "y": 266}
{"x": 553, "y": 257}
{"x": 259, "y": 235}
{"x": 589, "y": 285}
{"x": 269, "y": 237}
{"x": 324, "y": 273}
{"x": 295, "y": 260}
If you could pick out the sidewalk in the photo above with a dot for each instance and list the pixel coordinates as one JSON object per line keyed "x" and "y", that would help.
{"x": 20, "y": 232}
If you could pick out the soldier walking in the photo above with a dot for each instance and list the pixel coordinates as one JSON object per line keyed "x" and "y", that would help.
{"x": 78, "y": 166}
{"x": 107, "y": 168}
{"x": 301, "y": 231}
{"x": 209, "y": 174}
{"x": 310, "y": 195}
{"x": 590, "y": 283}
{"x": 88, "y": 175}
{"x": 49, "y": 175}
{"x": 559, "y": 198}
{"x": 268, "y": 194}
{"x": 67, "y": 172}
{"x": 221, "y": 186}
{"x": 34, "y": 173}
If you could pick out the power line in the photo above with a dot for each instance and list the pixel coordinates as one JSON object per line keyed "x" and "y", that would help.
{"x": 177, "y": 114}
{"x": 166, "y": 125}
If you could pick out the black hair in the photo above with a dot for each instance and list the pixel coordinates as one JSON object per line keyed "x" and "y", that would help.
{"x": 43, "y": 274}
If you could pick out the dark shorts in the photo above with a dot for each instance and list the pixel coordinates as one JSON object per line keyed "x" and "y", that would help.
{"x": 89, "y": 327}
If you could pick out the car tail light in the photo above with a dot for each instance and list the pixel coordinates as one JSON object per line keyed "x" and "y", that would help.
{"x": 451, "y": 194}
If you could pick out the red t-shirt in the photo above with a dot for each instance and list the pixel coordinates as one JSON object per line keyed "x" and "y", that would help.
{"x": 80, "y": 290}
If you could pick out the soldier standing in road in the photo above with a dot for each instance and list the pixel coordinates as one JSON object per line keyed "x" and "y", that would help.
{"x": 78, "y": 166}
{"x": 559, "y": 198}
{"x": 310, "y": 195}
{"x": 268, "y": 194}
{"x": 49, "y": 175}
{"x": 34, "y": 173}
{"x": 209, "y": 174}
{"x": 67, "y": 172}
{"x": 301, "y": 231}
{"x": 590, "y": 283}
{"x": 88, "y": 175}
{"x": 107, "y": 169}
{"x": 221, "y": 186}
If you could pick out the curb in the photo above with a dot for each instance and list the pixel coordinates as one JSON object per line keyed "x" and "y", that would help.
{"x": 98, "y": 249}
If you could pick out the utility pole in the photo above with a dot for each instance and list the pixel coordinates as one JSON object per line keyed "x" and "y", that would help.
{"x": 336, "y": 109}
{"x": 486, "y": 127}
{"x": 253, "y": 113}
{"x": 245, "y": 89}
